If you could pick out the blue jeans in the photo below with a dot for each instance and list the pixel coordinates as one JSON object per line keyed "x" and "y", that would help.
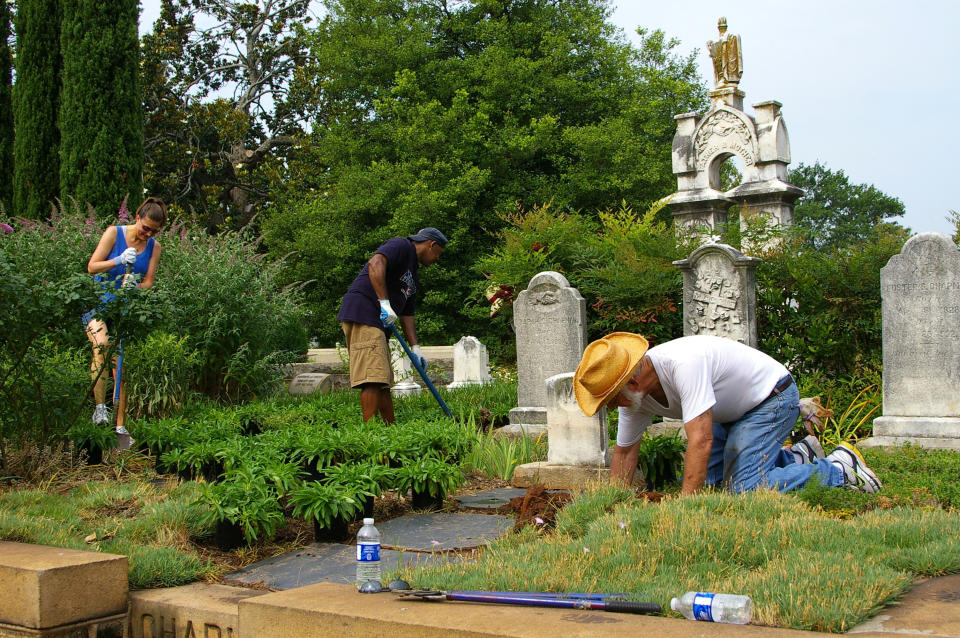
{"x": 747, "y": 454}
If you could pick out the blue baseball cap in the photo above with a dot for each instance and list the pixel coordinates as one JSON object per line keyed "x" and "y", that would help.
{"x": 429, "y": 234}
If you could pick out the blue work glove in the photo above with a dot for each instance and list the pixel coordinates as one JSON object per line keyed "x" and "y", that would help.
{"x": 415, "y": 348}
{"x": 387, "y": 315}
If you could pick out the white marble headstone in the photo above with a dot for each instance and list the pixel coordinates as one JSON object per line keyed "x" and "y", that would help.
{"x": 471, "y": 364}
{"x": 920, "y": 289}
{"x": 550, "y": 324}
{"x": 573, "y": 437}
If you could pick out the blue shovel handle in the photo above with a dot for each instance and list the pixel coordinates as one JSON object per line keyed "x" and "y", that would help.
{"x": 423, "y": 373}
{"x": 119, "y": 375}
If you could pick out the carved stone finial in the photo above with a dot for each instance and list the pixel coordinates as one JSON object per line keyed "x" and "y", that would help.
{"x": 727, "y": 58}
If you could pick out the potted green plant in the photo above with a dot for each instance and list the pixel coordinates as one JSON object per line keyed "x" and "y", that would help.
{"x": 330, "y": 506}
{"x": 243, "y": 508}
{"x": 367, "y": 478}
{"x": 94, "y": 439}
{"x": 430, "y": 480}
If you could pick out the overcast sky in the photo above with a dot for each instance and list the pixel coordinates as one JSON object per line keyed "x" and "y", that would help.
{"x": 867, "y": 86}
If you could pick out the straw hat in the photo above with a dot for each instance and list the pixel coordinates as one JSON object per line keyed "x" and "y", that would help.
{"x": 606, "y": 366}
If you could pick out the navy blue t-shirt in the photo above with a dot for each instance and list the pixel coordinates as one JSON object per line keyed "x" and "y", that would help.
{"x": 360, "y": 304}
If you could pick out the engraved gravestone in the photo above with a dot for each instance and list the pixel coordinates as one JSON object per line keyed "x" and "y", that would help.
{"x": 550, "y": 324}
{"x": 471, "y": 363}
{"x": 720, "y": 293}
{"x": 573, "y": 437}
{"x": 920, "y": 291}
{"x": 308, "y": 383}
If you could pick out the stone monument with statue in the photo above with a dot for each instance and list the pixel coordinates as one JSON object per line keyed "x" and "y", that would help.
{"x": 703, "y": 142}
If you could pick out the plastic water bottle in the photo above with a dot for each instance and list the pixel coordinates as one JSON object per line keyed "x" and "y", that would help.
{"x": 727, "y": 608}
{"x": 368, "y": 553}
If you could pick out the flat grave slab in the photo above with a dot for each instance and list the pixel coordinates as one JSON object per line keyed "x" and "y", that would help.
{"x": 491, "y": 499}
{"x": 320, "y": 563}
{"x": 442, "y": 532}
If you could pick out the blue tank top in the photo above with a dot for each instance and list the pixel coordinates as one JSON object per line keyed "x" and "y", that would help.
{"x": 113, "y": 278}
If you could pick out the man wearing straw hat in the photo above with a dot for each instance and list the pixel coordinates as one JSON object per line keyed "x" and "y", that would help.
{"x": 737, "y": 404}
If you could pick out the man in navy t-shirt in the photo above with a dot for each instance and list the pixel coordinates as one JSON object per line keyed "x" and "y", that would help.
{"x": 385, "y": 290}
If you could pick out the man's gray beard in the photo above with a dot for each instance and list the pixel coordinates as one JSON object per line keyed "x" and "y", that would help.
{"x": 636, "y": 398}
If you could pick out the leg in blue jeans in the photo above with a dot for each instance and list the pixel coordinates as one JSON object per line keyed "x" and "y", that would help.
{"x": 747, "y": 454}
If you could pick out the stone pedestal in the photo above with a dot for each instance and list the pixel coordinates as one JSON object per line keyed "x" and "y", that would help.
{"x": 920, "y": 289}
{"x": 404, "y": 374}
{"x": 550, "y": 323}
{"x": 720, "y": 293}
{"x": 52, "y": 591}
{"x": 471, "y": 364}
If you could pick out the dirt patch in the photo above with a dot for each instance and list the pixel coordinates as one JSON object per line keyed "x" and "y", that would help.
{"x": 537, "y": 507}
{"x": 121, "y": 509}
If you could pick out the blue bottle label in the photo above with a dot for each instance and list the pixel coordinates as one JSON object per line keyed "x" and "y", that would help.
{"x": 703, "y": 606}
{"x": 367, "y": 553}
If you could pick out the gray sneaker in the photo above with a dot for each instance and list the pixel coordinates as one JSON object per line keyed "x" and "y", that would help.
{"x": 101, "y": 414}
{"x": 807, "y": 450}
{"x": 856, "y": 474}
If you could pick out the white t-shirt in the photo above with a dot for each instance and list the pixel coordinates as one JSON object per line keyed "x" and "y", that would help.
{"x": 698, "y": 373}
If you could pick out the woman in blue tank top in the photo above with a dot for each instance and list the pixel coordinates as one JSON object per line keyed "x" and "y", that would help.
{"x": 120, "y": 248}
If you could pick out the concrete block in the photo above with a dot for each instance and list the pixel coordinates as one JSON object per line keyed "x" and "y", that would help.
{"x": 46, "y": 587}
{"x": 197, "y": 610}
{"x": 107, "y": 627}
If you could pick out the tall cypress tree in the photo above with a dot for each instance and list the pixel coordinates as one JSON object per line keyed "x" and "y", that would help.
{"x": 101, "y": 114}
{"x": 36, "y": 100}
{"x": 6, "y": 111}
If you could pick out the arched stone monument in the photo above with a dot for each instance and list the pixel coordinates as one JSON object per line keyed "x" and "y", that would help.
{"x": 704, "y": 142}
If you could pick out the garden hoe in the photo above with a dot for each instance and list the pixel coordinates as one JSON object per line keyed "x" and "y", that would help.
{"x": 415, "y": 360}
{"x": 123, "y": 440}
{"x": 597, "y": 602}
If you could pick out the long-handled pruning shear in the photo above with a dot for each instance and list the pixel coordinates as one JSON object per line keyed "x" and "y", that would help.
{"x": 415, "y": 360}
{"x": 599, "y": 602}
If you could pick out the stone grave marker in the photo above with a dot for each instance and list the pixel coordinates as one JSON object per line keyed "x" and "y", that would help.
{"x": 720, "y": 293}
{"x": 550, "y": 323}
{"x": 578, "y": 450}
{"x": 920, "y": 291}
{"x": 310, "y": 383}
{"x": 471, "y": 364}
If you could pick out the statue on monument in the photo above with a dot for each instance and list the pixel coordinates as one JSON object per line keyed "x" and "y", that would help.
{"x": 727, "y": 59}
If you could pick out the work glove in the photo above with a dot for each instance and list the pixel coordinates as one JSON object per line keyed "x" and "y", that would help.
{"x": 387, "y": 315}
{"x": 419, "y": 355}
{"x": 126, "y": 258}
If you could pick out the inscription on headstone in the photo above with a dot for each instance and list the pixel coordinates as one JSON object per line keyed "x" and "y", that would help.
{"x": 550, "y": 323}
{"x": 310, "y": 383}
{"x": 720, "y": 293}
{"x": 920, "y": 290}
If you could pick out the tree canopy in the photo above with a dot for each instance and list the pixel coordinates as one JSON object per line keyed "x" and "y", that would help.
{"x": 450, "y": 114}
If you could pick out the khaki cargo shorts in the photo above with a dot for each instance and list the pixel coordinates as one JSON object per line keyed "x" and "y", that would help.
{"x": 369, "y": 354}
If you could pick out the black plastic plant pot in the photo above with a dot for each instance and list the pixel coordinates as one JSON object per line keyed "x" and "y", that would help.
{"x": 423, "y": 501}
{"x": 212, "y": 470}
{"x": 228, "y": 536}
{"x": 94, "y": 453}
{"x": 336, "y": 532}
{"x": 366, "y": 508}
{"x": 185, "y": 474}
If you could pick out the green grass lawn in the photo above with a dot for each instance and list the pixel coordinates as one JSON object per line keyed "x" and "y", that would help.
{"x": 821, "y": 558}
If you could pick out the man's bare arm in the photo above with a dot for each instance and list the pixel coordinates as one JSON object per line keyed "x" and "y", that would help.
{"x": 699, "y": 442}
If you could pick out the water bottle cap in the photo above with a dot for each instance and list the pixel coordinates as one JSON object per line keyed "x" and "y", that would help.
{"x": 368, "y": 521}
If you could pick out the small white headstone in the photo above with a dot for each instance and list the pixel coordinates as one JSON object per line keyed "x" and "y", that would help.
{"x": 310, "y": 383}
{"x": 471, "y": 364}
{"x": 573, "y": 437}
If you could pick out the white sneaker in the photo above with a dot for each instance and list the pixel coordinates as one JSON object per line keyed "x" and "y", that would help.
{"x": 856, "y": 474}
{"x": 101, "y": 414}
{"x": 807, "y": 449}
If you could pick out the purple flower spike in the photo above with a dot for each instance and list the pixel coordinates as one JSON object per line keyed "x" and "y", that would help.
{"x": 6, "y": 228}
{"x": 124, "y": 213}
